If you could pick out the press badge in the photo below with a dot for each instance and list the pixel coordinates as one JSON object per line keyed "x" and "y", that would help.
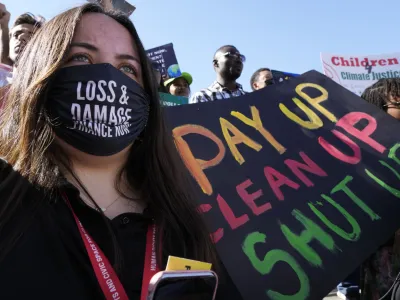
{"x": 183, "y": 264}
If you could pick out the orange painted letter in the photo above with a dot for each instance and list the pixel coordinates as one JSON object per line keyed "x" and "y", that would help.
{"x": 197, "y": 166}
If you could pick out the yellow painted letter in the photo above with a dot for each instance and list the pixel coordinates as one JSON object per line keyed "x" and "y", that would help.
{"x": 314, "y": 122}
{"x": 237, "y": 138}
{"x": 256, "y": 123}
{"x": 315, "y": 102}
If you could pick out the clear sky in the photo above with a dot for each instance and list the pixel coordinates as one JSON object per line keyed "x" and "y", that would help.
{"x": 284, "y": 35}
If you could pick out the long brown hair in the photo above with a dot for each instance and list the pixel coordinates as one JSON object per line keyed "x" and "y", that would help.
{"x": 154, "y": 168}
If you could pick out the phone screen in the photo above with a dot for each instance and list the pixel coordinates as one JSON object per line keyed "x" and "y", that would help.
{"x": 189, "y": 288}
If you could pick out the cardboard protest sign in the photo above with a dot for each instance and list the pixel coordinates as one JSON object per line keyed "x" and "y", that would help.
{"x": 280, "y": 76}
{"x": 164, "y": 56}
{"x": 170, "y": 100}
{"x": 299, "y": 183}
{"x": 357, "y": 72}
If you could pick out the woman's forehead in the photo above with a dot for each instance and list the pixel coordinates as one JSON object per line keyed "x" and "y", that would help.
{"x": 104, "y": 33}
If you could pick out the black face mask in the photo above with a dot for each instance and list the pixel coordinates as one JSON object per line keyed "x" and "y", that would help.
{"x": 97, "y": 109}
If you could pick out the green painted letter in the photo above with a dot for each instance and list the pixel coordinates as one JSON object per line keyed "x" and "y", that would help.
{"x": 352, "y": 236}
{"x": 341, "y": 186}
{"x": 392, "y": 190}
{"x": 300, "y": 242}
{"x": 392, "y": 153}
{"x": 271, "y": 258}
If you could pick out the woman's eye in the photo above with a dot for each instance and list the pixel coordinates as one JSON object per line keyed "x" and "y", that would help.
{"x": 80, "y": 58}
{"x": 128, "y": 69}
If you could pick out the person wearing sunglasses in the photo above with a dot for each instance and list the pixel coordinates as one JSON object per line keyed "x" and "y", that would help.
{"x": 385, "y": 94}
{"x": 261, "y": 78}
{"x": 228, "y": 66}
{"x": 379, "y": 271}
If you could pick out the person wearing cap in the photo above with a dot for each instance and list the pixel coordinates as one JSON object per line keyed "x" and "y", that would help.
{"x": 179, "y": 86}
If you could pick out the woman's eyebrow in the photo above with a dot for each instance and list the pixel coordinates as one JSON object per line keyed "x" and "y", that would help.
{"x": 84, "y": 45}
{"x": 128, "y": 56}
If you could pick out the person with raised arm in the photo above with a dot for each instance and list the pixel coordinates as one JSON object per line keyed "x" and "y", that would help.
{"x": 14, "y": 40}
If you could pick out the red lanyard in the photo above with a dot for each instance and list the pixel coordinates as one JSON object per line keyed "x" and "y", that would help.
{"x": 106, "y": 276}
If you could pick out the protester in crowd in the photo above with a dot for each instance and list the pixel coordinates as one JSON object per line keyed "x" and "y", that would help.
{"x": 179, "y": 86}
{"x": 158, "y": 77}
{"x": 379, "y": 272}
{"x": 156, "y": 71}
{"x": 228, "y": 65}
{"x": 11, "y": 45}
{"x": 261, "y": 78}
{"x": 385, "y": 94}
{"x": 13, "y": 42}
{"x": 83, "y": 191}
{"x": 161, "y": 87}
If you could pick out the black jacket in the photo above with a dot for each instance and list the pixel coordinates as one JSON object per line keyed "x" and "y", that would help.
{"x": 49, "y": 261}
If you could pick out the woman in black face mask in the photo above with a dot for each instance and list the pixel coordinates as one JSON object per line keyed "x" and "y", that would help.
{"x": 94, "y": 196}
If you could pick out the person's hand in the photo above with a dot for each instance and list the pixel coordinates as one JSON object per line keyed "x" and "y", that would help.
{"x": 4, "y": 16}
